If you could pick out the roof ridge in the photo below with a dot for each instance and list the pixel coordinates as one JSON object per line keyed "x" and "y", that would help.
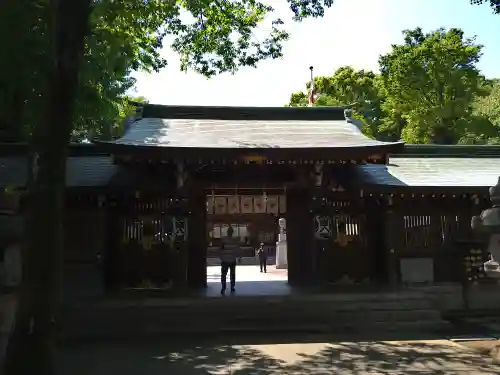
{"x": 241, "y": 113}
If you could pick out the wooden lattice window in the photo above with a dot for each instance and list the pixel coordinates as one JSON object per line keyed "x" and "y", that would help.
{"x": 449, "y": 227}
{"x": 349, "y": 227}
{"x": 162, "y": 229}
{"x": 417, "y": 231}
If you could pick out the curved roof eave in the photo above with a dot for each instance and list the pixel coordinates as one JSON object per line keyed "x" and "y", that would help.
{"x": 318, "y": 153}
{"x": 270, "y": 137}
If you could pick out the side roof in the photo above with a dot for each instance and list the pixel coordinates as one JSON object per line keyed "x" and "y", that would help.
{"x": 273, "y": 131}
{"x": 462, "y": 174}
{"x": 463, "y": 168}
{"x": 81, "y": 171}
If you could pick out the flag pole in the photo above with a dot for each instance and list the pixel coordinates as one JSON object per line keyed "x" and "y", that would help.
{"x": 311, "y": 88}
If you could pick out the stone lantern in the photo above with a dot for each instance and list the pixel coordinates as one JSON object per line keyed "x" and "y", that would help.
{"x": 488, "y": 224}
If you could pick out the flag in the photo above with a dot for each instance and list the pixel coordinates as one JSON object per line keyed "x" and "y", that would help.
{"x": 312, "y": 93}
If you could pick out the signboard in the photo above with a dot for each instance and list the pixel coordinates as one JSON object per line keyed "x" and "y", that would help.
{"x": 272, "y": 205}
{"x": 259, "y": 205}
{"x": 220, "y": 205}
{"x": 246, "y": 205}
{"x": 233, "y": 204}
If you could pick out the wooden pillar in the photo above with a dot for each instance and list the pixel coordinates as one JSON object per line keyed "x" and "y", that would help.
{"x": 376, "y": 219}
{"x": 110, "y": 257}
{"x": 197, "y": 238}
{"x": 394, "y": 235}
{"x": 299, "y": 236}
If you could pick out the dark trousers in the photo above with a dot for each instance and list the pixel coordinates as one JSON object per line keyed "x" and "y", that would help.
{"x": 225, "y": 267}
{"x": 263, "y": 264}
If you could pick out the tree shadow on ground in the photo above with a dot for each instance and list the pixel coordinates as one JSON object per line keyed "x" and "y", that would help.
{"x": 332, "y": 357}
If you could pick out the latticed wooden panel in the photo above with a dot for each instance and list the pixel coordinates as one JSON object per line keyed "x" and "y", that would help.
{"x": 342, "y": 237}
{"x": 141, "y": 204}
{"x": 152, "y": 251}
{"x": 418, "y": 232}
{"x": 433, "y": 232}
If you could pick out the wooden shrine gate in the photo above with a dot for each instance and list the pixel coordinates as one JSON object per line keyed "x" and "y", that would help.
{"x": 149, "y": 242}
{"x": 341, "y": 242}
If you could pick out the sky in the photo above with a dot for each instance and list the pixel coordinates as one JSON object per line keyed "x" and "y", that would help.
{"x": 352, "y": 32}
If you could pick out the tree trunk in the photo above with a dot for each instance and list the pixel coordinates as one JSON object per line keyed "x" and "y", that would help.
{"x": 30, "y": 349}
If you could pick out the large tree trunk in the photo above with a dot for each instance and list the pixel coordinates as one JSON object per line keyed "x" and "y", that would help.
{"x": 31, "y": 347}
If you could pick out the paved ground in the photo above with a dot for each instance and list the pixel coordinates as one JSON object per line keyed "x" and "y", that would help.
{"x": 250, "y": 281}
{"x": 437, "y": 357}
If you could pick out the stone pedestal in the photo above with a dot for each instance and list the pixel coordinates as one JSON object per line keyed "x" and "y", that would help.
{"x": 281, "y": 247}
{"x": 281, "y": 253}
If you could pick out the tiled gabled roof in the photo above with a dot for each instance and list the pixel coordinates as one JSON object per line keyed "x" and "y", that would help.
{"x": 206, "y": 133}
{"x": 247, "y": 127}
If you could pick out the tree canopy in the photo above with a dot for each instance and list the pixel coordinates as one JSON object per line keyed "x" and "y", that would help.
{"x": 428, "y": 90}
{"x": 210, "y": 36}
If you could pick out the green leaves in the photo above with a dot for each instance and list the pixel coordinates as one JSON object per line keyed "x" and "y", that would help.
{"x": 431, "y": 80}
{"x": 211, "y": 37}
{"x": 428, "y": 91}
{"x": 348, "y": 88}
{"x": 312, "y": 8}
{"x": 220, "y": 37}
{"x": 494, "y": 4}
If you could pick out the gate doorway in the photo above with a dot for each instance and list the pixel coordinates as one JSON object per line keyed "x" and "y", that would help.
{"x": 239, "y": 224}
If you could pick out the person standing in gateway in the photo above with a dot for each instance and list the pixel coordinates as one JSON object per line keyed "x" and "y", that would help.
{"x": 228, "y": 261}
{"x": 262, "y": 253}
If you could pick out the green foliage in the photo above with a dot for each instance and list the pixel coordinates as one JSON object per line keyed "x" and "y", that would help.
{"x": 494, "y": 4}
{"x": 211, "y": 37}
{"x": 428, "y": 91}
{"x": 431, "y": 79}
{"x": 347, "y": 88}
{"x": 23, "y": 64}
{"x": 489, "y": 106}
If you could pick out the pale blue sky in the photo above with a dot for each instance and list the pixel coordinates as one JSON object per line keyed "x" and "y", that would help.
{"x": 353, "y": 32}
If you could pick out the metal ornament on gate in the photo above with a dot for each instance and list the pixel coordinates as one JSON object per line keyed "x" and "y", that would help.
{"x": 180, "y": 227}
{"x": 322, "y": 227}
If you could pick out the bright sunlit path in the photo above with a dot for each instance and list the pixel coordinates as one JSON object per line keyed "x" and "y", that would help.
{"x": 250, "y": 281}
{"x": 248, "y": 273}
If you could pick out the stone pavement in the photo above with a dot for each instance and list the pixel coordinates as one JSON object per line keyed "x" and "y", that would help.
{"x": 440, "y": 357}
